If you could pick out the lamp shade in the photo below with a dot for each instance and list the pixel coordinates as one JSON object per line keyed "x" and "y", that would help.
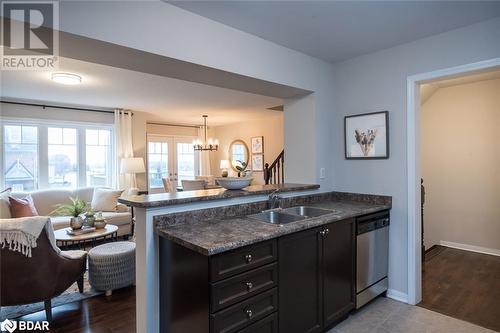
{"x": 224, "y": 164}
{"x": 132, "y": 165}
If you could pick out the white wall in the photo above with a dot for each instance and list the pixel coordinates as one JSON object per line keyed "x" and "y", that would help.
{"x": 163, "y": 29}
{"x": 271, "y": 128}
{"x": 35, "y": 112}
{"x": 376, "y": 82}
{"x": 461, "y": 165}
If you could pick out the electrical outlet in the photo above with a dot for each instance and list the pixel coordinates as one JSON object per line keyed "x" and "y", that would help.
{"x": 322, "y": 173}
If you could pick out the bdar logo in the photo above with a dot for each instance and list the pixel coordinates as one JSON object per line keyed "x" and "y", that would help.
{"x": 8, "y": 325}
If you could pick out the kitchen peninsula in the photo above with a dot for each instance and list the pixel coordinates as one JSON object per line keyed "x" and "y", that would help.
{"x": 193, "y": 248}
{"x": 149, "y": 208}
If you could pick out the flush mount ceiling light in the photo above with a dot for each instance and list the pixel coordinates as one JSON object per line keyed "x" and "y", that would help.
{"x": 66, "y": 78}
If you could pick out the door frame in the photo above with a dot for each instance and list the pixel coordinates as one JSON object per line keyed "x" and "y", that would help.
{"x": 413, "y": 165}
{"x": 172, "y": 141}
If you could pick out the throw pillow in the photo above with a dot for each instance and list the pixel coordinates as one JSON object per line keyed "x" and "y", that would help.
{"x": 4, "y": 204}
{"x": 105, "y": 200}
{"x": 23, "y": 207}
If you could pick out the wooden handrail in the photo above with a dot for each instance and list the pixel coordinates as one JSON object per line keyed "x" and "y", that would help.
{"x": 275, "y": 173}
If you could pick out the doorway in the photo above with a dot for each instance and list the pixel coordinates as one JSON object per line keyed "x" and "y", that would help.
{"x": 170, "y": 157}
{"x": 414, "y": 160}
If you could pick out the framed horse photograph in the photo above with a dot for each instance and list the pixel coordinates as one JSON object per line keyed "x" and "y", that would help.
{"x": 366, "y": 136}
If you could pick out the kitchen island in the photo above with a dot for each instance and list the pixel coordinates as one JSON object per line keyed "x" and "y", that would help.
{"x": 223, "y": 270}
{"x": 148, "y": 209}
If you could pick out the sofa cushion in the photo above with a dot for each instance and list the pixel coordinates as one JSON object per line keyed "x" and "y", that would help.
{"x": 105, "y": 200}
{"x": 118, "y": 219}
{"x": 4, "y": 204}
{"x": 23, "y": 207}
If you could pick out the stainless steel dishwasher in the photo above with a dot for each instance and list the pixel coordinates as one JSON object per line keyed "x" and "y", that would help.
{"x": 372, "y": 238}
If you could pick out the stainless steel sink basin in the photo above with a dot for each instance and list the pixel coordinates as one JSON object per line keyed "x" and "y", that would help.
{"x": 307, "y": 211}
{"x": 276, "y": 217}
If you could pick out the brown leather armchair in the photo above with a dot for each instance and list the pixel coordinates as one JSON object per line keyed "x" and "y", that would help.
{"x": 46, "y": 274}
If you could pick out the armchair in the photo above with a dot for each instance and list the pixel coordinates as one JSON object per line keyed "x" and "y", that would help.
{"x": 44, "y": 275}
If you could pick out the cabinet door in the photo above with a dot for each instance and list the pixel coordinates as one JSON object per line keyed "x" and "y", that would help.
{"x": 300, "y": 287}
{"x": 338, "y": 270}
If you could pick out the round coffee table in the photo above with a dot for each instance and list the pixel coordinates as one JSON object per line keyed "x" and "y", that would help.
{"x": 110, "y": 231}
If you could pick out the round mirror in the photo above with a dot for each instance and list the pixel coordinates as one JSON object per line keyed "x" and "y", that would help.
{"x": 238, "y": 154}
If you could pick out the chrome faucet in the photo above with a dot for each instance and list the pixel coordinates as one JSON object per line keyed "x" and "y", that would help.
{"x": 274, "y": 200}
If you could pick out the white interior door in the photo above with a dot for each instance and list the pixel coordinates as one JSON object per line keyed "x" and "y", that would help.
{"x": 170, "y": 157}
{"x": 186, "y": 161}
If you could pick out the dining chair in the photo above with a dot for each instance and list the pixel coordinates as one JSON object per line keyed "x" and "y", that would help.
{"x": 167, "y": 185}
{"x": 192, "y": 185}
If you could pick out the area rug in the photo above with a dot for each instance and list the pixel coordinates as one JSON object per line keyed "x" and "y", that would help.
{"x": 70, "y": 295}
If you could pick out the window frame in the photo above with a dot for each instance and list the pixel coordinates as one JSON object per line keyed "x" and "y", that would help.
{"x": 43, "y": 157}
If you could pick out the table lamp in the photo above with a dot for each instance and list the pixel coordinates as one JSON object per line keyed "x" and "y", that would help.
{"x": 224, "y": 165}
{"x": 132, "y": 166}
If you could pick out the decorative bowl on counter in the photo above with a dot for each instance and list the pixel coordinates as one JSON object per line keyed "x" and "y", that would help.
{"x": 234, "y": 183}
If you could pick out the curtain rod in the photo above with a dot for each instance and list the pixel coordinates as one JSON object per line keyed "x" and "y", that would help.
{"x": 174, "y": 125}
{"x": 61, "y": 107}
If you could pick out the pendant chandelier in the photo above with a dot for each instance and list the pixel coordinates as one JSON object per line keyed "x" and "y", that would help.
{"x": 207, "y": 144}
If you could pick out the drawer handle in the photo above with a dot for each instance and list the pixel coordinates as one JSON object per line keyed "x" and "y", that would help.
{"x": 249, "y": 286}
{"x": 249, "y": 314}
{"x": 248, "y": 258}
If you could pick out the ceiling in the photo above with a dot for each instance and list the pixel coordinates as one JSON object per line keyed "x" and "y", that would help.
{"x": 170, "y": 100}
{"x": 428, "y": 89}
{"x": 340, "y": 30}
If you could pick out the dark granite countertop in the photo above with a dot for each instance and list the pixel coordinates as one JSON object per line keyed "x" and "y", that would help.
{"x": 166, "y": 199}
{"x": 212, "y": 236}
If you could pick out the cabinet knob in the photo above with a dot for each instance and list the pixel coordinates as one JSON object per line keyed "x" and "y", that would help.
{"x": 327, "y": 231}
{"x": 248, "y": 258}
{"x": 249, "y": 285}
{"x": 322, "y": 233}
{"x": 249, "y": 314}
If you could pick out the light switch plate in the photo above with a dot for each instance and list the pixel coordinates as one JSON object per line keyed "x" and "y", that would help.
{"x": 322, "y": 173}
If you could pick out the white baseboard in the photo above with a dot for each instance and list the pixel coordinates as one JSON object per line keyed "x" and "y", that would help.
{"x": 472, "y": 248}
{"x": 397, "y": 295}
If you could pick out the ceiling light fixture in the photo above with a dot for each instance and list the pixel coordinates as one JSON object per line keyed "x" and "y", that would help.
{"x": 66, "y": 78}
{"x": 210, "y": 144}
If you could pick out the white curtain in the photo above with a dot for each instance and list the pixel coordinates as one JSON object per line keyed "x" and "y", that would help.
{"x": 124, "y": 148}
{"x": 204, "y": 156}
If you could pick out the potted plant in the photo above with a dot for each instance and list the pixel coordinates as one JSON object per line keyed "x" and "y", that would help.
{"x": 75, "y": 209}
{"x": 241, "y": 167}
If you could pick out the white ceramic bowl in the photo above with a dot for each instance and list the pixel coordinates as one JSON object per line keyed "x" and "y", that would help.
{"x": 234, "y": 183}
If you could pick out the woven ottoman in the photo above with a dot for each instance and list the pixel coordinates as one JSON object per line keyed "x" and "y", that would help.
{"x": 112, "y": 266}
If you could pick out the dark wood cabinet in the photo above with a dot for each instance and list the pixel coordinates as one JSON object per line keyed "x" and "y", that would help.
{"x": 316, "y": 277}
{"x": 298, "y": 283}
{"x": 300, "y": 296}
{"x": 339, "y": 264}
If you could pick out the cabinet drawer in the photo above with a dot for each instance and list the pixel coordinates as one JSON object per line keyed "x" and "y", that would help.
{"x": 266, "y": 325}
{"x": 228, "y": 264}
{"x": 242, "y": 286}
{"x": 247, "y": 312}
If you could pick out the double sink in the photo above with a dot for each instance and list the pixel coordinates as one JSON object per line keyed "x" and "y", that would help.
{"x": 289, "y": 215}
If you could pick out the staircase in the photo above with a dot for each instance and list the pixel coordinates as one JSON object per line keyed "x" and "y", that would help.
{"x": 275, "y": 173}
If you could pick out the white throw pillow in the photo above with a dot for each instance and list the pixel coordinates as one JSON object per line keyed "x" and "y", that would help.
{"x": 105, "y": 200}
{"x": 4, "y": 204}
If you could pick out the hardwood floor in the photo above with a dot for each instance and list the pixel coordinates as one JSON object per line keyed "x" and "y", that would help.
{"x": 100, "y": 314}
{"x": 463, "y": 285}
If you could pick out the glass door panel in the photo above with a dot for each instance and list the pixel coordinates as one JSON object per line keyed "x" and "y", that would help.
{"x": 159, "y": 164}
{"x": 186, "y": 161}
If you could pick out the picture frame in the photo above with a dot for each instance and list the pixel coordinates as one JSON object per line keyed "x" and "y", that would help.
{"x": 258, "y": 162}
{"x": 257, "y": 143}
{"x": 366, "y": 136}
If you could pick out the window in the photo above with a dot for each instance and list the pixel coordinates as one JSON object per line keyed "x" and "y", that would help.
{"x": 99, "y": 159}
{"x": 157, "y": 163}
{"x": 21, "y": 157}
{"x": 63, "y": 157}
{"x": 42, "y": 155}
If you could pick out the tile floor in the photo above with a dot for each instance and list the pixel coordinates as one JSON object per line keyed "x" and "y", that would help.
{"x": 385, "y": 315}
